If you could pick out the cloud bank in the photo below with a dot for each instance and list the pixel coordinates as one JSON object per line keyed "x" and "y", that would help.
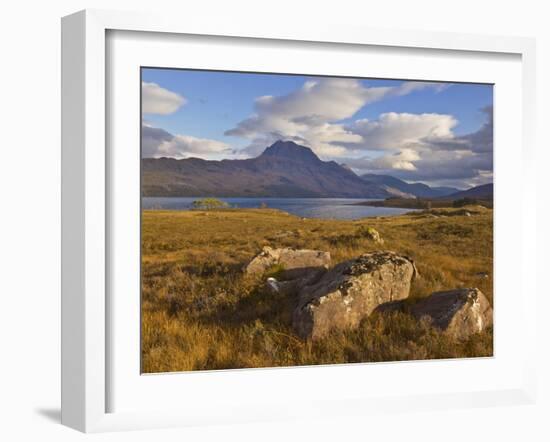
{"x": 157, "y": 143}
{"x": 311, "y": 114}
{"x": 414, "y": 147}
{"x": 423, "y": 147}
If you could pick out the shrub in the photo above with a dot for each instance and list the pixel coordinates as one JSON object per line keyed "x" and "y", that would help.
{"x": 370, "y": 233}
{"x": 209, "y": 203}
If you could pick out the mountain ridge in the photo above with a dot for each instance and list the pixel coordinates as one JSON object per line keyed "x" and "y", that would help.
{"x": 284, "y": 169}
{"x": 419, "y": 190}
{"x": 484, "y": 191}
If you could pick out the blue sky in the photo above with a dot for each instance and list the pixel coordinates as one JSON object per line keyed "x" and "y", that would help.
{"x": 379, "y": 126}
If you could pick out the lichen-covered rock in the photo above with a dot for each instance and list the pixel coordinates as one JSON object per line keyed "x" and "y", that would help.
{"x": 458, "y": 313}
{"x": 351, "y": 291}
{"x": 294, "y": 263}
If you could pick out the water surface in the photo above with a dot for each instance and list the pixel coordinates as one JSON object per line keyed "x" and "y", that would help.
{"x": 334, "y": 208}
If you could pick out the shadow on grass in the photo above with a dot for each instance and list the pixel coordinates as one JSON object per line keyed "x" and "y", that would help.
{"x": 272, "y": 309}
{"x": 214, "y": 268}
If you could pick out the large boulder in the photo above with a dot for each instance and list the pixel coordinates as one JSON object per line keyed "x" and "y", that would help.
{"x": 458, "y": 313}
{"x": 294, "y": 263}
{"x": 351, "y": 291}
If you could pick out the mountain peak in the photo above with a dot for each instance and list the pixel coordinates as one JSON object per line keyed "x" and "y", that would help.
{"x": 284, "y": 170}
{"x": 290, "y": 150}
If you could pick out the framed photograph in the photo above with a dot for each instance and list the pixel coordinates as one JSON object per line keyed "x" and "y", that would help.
{"x": 262, "y": 222}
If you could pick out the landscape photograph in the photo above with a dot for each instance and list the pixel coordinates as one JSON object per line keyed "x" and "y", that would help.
{"x": 300, "y": 220}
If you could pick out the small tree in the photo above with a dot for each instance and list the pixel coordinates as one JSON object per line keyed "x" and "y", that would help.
{"x": 209, "y": 203}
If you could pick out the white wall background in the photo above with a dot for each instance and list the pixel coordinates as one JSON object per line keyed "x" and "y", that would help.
{"x": 30, "y": 215}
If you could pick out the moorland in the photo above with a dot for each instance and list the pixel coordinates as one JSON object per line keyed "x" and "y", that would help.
{"x": 200, "y": 311}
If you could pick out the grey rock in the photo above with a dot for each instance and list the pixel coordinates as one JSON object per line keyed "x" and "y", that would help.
{"x": 351, "y": 291}
{"x": 458, "y": 313}
{"x": 296, "y": 263}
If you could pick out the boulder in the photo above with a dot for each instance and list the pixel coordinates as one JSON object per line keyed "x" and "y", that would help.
{"x": 351, "y": 291}
{"x": 294, "y": 263}
{"x": 458, "y": 313}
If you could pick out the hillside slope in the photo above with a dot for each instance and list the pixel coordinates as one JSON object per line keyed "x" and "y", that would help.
{"x": 418, "y": 190}
{"x": 285, "y": 169}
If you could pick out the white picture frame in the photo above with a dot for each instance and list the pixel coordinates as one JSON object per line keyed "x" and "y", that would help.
{"x": 86, "y": 209}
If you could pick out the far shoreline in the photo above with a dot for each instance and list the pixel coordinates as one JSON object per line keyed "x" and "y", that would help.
{"x": 426, "y": 204}
{"x": 322, "y": 208}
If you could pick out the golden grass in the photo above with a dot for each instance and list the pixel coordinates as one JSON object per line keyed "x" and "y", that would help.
{"x": 200, "y": 312}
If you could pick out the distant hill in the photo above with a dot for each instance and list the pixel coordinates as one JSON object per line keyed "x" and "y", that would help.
{"x": 418, "y": 190}
{"x": 285, "y": 169}
{"x": 484, "y": 191}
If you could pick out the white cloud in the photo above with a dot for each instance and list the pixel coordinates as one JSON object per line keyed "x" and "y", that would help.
{"x": 414, "y": 147}
{"x": 151, "y": 138}
{"x": 157, "y": 100}
{"x": 310, "y": 114}
{"x": 460, "y": 167}
{"x": 183, "y": 146}
{"x": 411, "y": 86}
{"x": 394, "y": 131}
{"x": 156, "y": 143}
{"x": 403, "y": 160}
{"x": 423, "y": 147}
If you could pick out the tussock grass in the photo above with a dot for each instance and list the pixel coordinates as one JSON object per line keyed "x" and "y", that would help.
{"x": 200, "y": 312}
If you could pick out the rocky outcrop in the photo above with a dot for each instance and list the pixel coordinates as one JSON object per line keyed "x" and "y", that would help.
{"x": 351, "y": 291}
{"x": 458, "y": 313}
{"x": 294, "y": 264}
{"x": 341, "y": 297}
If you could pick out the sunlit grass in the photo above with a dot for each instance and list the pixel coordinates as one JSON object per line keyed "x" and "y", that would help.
{"x": 200, "y": 312}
